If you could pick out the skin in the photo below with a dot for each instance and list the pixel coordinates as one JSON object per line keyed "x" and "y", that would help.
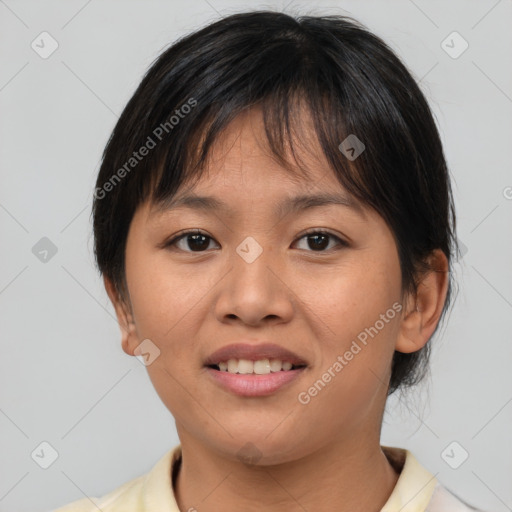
{"x": 324, "y": 455}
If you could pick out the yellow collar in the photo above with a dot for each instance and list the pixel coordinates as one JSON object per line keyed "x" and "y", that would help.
{"x": 412, "y": 492}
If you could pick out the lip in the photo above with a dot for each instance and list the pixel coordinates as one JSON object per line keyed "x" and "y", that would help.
{"x": 252, "y": 385}
{"x": 254, "y": 353}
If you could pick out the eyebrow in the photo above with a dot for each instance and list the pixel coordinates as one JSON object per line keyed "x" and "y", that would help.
{"x": 289, "y": 205}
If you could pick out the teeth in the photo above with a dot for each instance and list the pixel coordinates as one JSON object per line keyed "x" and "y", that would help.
{"x": 245, "y": 366}
{"x": 287, "y": 366}
{"x": 260, "y": 367}
{"x": 275, "y": 365}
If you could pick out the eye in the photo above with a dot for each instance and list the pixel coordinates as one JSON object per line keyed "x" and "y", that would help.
{"x": 195, "y": 240}
{"x": 318, "y": 239}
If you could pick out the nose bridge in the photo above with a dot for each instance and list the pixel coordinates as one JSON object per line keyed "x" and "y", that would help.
{"x": 251, "y": 267}
{"x": 253, "y": 290}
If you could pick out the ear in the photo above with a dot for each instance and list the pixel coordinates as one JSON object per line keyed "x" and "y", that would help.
{"x": 129, "y": 338}
{"x": 421, "y": 314}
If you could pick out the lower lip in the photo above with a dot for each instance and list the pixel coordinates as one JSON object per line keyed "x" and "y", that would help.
{"x": 252, "y": 384}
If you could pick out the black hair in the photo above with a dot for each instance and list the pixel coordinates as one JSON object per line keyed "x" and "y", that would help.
{"x": 351, "y": 83}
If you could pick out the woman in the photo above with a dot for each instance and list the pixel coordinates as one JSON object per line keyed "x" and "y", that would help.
{"x": 274, "y": 222}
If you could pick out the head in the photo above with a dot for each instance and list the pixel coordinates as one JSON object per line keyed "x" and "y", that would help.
{"x": 255, "y": 110}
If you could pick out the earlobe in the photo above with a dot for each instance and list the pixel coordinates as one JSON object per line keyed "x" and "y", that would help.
{"x": 129, "y": 340}
{"x": 422, "y": 314}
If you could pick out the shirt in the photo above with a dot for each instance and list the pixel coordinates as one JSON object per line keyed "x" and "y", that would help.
{"x": 416, "y": 490}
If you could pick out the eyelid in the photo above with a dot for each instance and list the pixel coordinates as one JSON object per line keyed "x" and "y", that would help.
{"x": 181, "y": 234}
{"x": 323, "y": 231}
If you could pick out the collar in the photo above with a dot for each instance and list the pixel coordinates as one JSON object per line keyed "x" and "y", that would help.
{"x": 412, "y": 492}
{"x": 415, "y": 485}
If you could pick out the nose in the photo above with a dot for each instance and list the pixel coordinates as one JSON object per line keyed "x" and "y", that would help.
{"x": 255, "y": 291}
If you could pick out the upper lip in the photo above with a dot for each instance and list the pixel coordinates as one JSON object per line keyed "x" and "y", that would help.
{"x": 253, "y": 353}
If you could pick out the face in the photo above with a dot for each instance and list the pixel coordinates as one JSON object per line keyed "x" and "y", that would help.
{"x": 322, "y": 282}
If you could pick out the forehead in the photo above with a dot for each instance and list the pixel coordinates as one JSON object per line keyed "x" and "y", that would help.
{"x": 241, "y": 167}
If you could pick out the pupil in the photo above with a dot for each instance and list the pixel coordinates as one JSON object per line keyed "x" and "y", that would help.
{"x": 195, "y": 240}
{"x": 323, "y": 244}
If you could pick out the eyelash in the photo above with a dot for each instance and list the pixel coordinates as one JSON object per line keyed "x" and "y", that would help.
{"x": 312, "y": 231}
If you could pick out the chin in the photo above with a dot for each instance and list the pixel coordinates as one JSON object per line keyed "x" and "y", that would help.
{"x": 258, "y": 451}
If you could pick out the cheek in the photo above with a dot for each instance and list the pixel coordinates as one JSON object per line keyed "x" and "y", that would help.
{"x": 352, "y": 297}
{"x": 356, "y": 311}
{"x": 167, "y": 309}
{"x": 164, "y": 301}
{"x": 170, "y": 306}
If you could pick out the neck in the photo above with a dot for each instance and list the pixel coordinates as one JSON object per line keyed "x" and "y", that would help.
{"x": 336, "y": 476}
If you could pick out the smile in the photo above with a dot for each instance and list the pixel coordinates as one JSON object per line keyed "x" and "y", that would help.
{"x": 259, "y": 367}
{"x": 252, "y": 370}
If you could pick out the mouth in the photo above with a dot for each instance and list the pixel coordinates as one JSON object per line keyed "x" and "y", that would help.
{"x": 259, "y": 367}
{"x": 254, "y": 370}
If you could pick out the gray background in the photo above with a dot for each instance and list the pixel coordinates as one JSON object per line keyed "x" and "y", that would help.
{"x": 65, "y": 379}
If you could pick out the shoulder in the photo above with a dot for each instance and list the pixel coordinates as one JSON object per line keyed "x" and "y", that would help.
{"x": 443, "y": 499}
{"x": 136, "y": 495}
{"x": 417, "y": 489}
{"x": 127, "y": 494}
